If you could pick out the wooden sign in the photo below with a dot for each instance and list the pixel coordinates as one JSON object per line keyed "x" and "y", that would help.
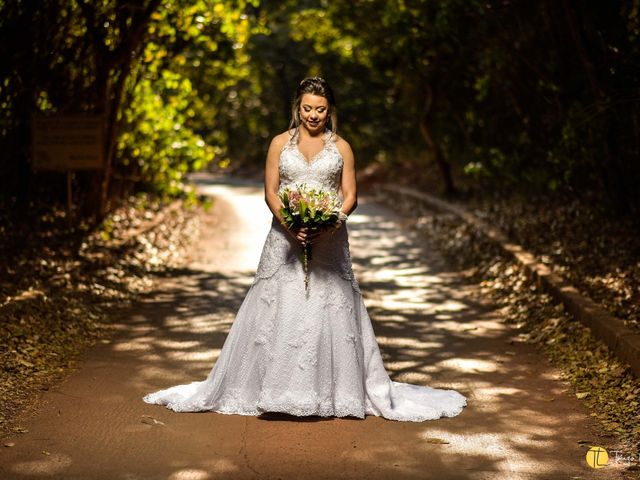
{"x": 67, "y": 142}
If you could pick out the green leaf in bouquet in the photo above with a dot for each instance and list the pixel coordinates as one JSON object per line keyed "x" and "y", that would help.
{"x": 287, "y": 218}
{"x": 303, "y": 210}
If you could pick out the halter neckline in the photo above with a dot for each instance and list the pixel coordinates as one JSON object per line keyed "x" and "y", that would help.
{"x": 310, "y": 161}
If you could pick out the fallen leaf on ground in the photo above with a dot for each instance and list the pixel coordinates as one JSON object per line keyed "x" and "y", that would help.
{"x": 435, "y": 440}
{"x": 149, "y": 420}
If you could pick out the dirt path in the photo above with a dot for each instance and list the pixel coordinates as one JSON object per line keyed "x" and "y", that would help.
{"x": 520, "y": 422}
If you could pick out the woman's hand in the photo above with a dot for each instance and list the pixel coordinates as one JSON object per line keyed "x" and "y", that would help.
{"x": 301, "y": 234}
{"x": 314, "y": 236}
{"x": 305, "y": 235}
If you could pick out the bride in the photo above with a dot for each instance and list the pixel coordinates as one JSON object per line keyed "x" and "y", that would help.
{"x": 299, "y": 351}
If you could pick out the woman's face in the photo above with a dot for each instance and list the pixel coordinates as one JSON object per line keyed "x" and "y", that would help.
{"x": 314, "y": 112}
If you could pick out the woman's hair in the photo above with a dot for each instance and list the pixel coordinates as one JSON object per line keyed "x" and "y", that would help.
{"x": 315, "y": 86}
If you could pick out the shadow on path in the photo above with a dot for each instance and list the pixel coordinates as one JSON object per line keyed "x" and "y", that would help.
{"x": 520, "y": 422}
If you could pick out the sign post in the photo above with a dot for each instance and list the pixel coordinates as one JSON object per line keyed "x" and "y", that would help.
{"x": 67, "y": 143}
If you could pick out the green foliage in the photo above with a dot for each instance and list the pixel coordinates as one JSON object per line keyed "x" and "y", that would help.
{"x": 161, "y": 71}
{"x": 159, "y": 147}
{"x": 173, "y": 121}
{"x": 513, "y": 105}
{"x": 508, "y": 95}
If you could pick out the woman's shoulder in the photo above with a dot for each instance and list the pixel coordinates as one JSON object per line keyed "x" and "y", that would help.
{"x": 281, "y": 139}
{"x": 342, "y": 145}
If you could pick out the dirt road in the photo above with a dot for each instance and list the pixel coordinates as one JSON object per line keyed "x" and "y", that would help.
{"x": 521, "y": 421}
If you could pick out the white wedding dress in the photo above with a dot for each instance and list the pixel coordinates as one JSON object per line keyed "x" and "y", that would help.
{"x": 308, "y": 352}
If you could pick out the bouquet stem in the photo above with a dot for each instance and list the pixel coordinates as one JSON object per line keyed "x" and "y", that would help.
{"x": 306, "y": 256}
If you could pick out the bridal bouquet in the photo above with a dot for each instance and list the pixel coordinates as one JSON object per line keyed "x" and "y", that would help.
{"x": 310, "y": 207}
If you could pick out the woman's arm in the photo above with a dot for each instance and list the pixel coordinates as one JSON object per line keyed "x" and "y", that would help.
{"x": 272, "y": 176}
{"x": 348, "y": 182}
{"x": 347, "y": 185}
{"x": 272, "y": 184}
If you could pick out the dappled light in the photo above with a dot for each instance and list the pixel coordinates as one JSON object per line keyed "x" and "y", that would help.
{"x": 43, "y": 467}
{"x": 495, "y": 240}
{"x": 190, "y": 474}
{"x": 429, "y": 330}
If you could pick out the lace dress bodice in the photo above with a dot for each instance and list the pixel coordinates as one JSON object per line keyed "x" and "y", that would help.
{"x": 324, "y": 170}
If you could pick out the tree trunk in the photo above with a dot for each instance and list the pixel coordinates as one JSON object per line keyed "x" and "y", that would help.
{"x": 434, "y": 146}
{"x": 120, "y": 61}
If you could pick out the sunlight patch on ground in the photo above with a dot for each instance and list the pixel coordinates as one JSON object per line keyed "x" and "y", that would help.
{"x": 404, "y": 302}
{"x": 446, "y": 322}
{"x": 421, "y": 377}
{"x": 152, "y": 357}
{"x": 415, "y": 352}
{"x": 253, "y": 221}
{"x": 222, "y": 465}
{"x": 414, "y": 300}
{"x": 210, "y": 354}
{"x": 177, "y": 344}
{"x": 495, "y": 391}
{"x": 48, "y": 465}
{"x": 398, "y": 303}
{"x": 139, "y": 344}
{"x": 358, "y": 217}
{"x": 155, "y": 371}
{"x": 200, "y": 324}
{"x": 190, "y": 474}
{"x": 469, "y": 364}
{"x": 190, "y": 357}
{"x": 404, "y": 365}
{"x": 407, "y": 276}
{"x": 142, "y": 327}
{"x": 451, "y": 306}
{"x": 405, "y": 342}
{"x": 506, "y": 450}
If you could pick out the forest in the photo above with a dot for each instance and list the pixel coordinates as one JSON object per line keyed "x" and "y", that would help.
{"x": 496, "y": 96}
{"x": 522, "y": 115}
